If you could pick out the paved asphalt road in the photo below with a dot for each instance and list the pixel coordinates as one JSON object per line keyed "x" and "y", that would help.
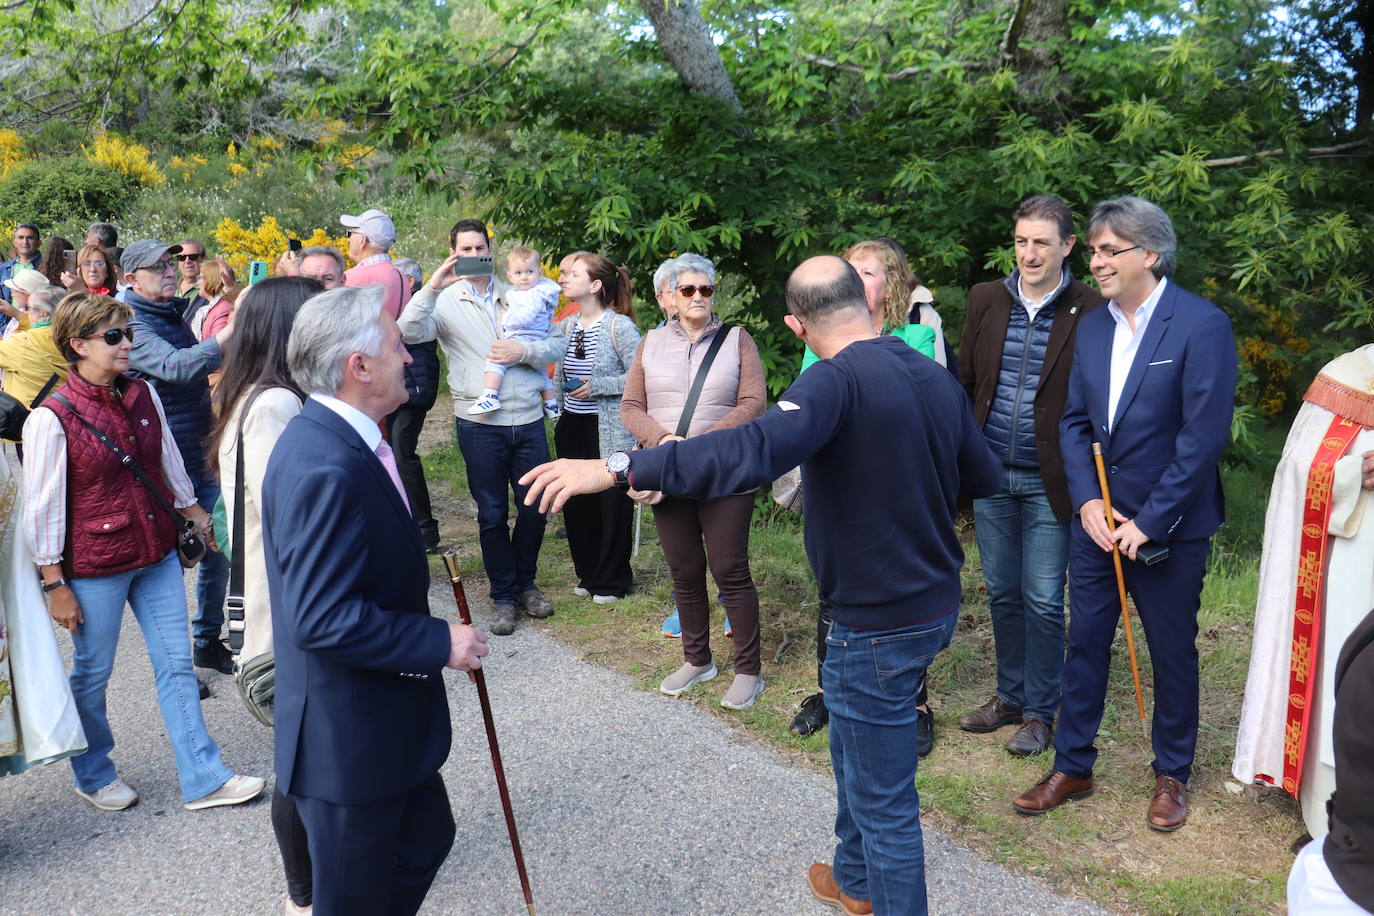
{"x": 627, "y": 802}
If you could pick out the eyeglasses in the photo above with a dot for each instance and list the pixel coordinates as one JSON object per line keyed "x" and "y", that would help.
{"x": 112, "y": 336}
{"x": 90, "y": 264}
{"x": 688, "y": 291}
{"x": 1107, "y": 253}
{"x": 580, "y": 343}
{"x": 194, "y": 256}
{"x": 160, "y": 267}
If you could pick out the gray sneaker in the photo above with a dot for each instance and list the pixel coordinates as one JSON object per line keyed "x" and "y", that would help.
{"x": 117, "y": 796}
{"x": 236, "y": 791}
{"x": 687, "y": 677}
{"x": 503, "y": 618}
{"x": 534, "y": 602}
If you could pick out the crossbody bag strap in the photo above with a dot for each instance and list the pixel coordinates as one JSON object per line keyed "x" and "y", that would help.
{"x": 684, "y": 422}
{"x": 43, "y": 394}
{"x": 234, "y": 604}
{"x": 124, "y": 458}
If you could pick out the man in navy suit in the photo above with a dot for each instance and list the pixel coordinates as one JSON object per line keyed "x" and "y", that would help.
{"x": 362, "y": 721}
{"x": 1154, "y": 381}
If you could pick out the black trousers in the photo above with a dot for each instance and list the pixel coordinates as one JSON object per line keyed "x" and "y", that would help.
{"x": 599, "y": 525}
{"x": 295, "y": 849}
{"x": 378, "y": 858}
{"x": 403, "y": 429}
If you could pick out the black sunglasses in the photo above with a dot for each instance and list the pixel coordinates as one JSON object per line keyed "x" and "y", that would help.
{"x": 112, "y": 336}
{"x": 689, "y": 290}
{"x": 193, "y": 256}
{"x": 580, "y": 344}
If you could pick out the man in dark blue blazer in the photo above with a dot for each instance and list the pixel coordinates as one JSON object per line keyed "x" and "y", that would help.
{"x": 1153, "y": 380}
{"x": 362, "y": 721}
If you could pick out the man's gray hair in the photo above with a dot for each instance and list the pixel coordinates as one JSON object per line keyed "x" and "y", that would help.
{"x": 329, "y": 328}
{"x": 106, "y": 233}
{"x": 315, "y": 251}
{"x": 1144, "y": 224}
{"x": 411, "y": 268}
{"x": 45, "y": 300}
{"x": 687, "y": 262}
{"x": 661, "y": 275}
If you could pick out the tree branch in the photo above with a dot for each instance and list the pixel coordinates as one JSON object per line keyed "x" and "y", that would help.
{"x": 1269, "y": 153}
{"x": 894, "y": 75}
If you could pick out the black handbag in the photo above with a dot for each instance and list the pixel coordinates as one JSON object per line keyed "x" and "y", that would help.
{"x": 13, "y": 411}
{"x": 191, "y": 547}
{"x": 257, "y": 678}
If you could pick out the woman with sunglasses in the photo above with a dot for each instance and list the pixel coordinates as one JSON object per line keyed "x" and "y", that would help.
{"x": 257, "y": 398}
{"x": 95, "y": 272}
{"x": 102, "y": 539}
{"x": 602, "y": 339}
{"x": 732, "y": 392}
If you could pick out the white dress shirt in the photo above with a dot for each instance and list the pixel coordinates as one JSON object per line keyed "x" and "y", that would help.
{"x": 1125, "y": 343}
{"x": 1032, "y": 307}
{"x": 362, "y": 424}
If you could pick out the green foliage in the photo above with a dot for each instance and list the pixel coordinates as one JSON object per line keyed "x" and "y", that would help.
{"x": 64, "y": 190}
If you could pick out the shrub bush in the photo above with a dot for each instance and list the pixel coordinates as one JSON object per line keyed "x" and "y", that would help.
{"x": 52, "y": 191}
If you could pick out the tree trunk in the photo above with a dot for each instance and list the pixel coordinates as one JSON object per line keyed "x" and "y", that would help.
{"x": 1032, "y": 41}
{"x": 686, "y": 42}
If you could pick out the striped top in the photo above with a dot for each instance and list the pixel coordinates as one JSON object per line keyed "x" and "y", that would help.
{"x": 584, "y": 342}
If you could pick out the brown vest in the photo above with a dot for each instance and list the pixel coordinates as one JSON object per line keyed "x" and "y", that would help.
{"x": 113, "y": 523}
{"x": 671, "y": 360}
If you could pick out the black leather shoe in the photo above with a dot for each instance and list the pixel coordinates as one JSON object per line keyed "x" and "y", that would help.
{"x": 213, "y": 655}
{"x": 204, "y": 689}
{"x": 813, "y": 716}
{"x": 925, "y": 732}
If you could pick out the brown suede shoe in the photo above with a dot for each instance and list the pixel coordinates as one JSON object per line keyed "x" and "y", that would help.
{"x": 1051, "y": 792}
{"x": 821, "y": 879}
{"x": 989, "y": 717}
{"x": 1169, "y": 808}
{"x": 1033, "y": 737}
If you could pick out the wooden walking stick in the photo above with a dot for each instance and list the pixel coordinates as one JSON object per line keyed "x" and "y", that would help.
{"x": 479, "y": 678}
{"x": 1120, "y": 585}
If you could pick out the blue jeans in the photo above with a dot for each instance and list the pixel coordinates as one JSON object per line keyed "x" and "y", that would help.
{"x": 158, "y": 597}
{"x": 1025, "y": 553}
{"x": 871, "y": 680}
{"x": 212, "y": 576}
{"x": 496, "y": 458}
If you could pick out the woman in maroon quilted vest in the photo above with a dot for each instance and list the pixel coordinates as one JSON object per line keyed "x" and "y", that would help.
{"x": 102, "y": 539}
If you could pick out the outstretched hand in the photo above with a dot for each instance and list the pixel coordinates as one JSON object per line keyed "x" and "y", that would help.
{"x": 553, "y": 483}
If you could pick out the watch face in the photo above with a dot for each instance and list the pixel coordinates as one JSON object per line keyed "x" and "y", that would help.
{"x": 618, "y": 462}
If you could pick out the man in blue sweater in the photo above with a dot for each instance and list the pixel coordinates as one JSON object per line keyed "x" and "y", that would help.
{"x": 886, "y": 441}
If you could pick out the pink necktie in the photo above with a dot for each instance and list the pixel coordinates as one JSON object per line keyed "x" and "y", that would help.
{"x": 388, "y": 459}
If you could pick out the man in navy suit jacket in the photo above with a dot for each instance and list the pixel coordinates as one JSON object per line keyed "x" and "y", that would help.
{"x": 362, "y": 721}
{"x": 1154, "y": 381}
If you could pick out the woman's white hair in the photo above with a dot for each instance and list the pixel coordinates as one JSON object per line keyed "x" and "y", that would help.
{"x": 330, "y": 327}
{"x": 690, "y": 263}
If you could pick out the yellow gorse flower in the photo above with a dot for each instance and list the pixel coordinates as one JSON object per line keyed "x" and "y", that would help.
{"x": 135, "y": 161}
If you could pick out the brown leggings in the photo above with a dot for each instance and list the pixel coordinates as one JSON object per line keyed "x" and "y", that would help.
{"x": 724, "y": 526}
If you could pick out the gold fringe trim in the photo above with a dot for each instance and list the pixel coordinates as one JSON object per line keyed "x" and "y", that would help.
{"x": 1342, "y": 400}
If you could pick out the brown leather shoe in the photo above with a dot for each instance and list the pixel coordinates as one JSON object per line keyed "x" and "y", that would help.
{"x": 1033, "y": 737}
{"x": 989, "y": 717}
{"x": 1051, "y": 792}
{"x": 1169, "y": 808}
{"x": 821, "y": 879}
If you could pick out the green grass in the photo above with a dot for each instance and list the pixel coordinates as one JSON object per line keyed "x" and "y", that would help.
{"x": 1232, "y": 858}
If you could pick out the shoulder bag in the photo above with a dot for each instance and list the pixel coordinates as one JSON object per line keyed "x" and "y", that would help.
{"x": 257, "y": 677}
{"x": 689, "y": 406}
{"x": 13, "y": 412}
{"x": 191, "y": 547}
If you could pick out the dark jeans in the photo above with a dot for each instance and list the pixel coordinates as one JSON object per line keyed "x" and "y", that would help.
{"x": 1025, "y": 553}
{"x": 212, "y": 576}
{"x": 294, "y": 846}
{"x": 1167, "y": 597}
{"x": 872, "y": 679}
{"x": 823, "y": 629}
{"x": 683, "y": 524}
{"x": 496, "y": 458}
{"x": 600, "y": 526}
{"x": 379, "y": 857}
{"x": 403, "y": 429}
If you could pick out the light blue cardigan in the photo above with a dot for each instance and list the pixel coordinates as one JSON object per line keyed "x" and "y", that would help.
{"x": 608, "y": 377}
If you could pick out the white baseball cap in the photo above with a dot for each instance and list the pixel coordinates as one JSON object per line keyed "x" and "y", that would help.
{"x": 374, "y": 224}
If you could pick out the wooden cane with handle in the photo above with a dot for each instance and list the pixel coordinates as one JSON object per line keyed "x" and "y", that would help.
{"x": 1120, "y": 581}
{"x": 479, "y": 678}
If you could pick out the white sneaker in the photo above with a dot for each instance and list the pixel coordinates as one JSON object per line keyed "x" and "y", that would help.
{"x": 117, "y": 796}
{"x": 552, "y": 411}
{"x": 604, "y": 599}
{"x": 236, "y": 791}
{"x": 485, "y": 404}
{"x": 686, "y": 677}
{"x": 581, "y": 592}
{"x": 744, "y": 690}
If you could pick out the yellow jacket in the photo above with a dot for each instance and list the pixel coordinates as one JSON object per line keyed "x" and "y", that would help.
{"x": 29, "y": 359}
